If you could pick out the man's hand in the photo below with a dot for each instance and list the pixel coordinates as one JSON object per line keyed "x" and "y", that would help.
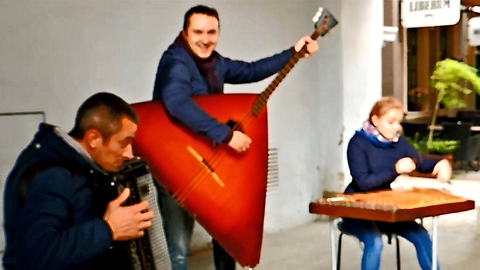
{"x": 240, "y": 142}
{"x": 312, "y": 46}
{"x": 405, "y": 165}
{"x": 127, "y": 222}
{"x": 443, "y": 170}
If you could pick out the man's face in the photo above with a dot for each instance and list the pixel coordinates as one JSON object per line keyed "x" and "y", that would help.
{"x": 112, "y": 152}
{"x": 202, "y": 34}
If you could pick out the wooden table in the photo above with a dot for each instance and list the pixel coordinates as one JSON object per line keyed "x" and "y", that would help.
{"x": 391, "y": 206}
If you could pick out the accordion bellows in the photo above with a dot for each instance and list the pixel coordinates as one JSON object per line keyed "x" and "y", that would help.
{"x": 149, "y": 252}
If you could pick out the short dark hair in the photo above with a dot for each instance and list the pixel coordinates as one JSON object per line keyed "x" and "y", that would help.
{"x": 102, "y": 111}
{"x": 199, "y": 9}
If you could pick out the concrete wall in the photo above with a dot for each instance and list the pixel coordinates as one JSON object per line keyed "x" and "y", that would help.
{"x": 392, "y": 54}
{"x": 362, "y": 39}
{"x": 54, "y": 54}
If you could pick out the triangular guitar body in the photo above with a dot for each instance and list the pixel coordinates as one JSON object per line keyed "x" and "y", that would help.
{"x": 230, "y": 202}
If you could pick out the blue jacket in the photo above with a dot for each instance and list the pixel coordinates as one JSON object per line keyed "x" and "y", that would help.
{"x": 178, "y": 79}
{"x": 57, "y": 226}
{"x": 373, "y": 167}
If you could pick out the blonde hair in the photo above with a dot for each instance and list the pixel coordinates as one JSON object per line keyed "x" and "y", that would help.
{"x": 383, "y": 105}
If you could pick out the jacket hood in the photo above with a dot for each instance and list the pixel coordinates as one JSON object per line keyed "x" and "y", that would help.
{"x": 47, "y": 144}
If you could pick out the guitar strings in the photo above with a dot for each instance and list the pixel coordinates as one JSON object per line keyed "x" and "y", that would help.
{"x": 258, "y": 105}
{"x": 203, "y": 174}
{"x": 218, "y": 153}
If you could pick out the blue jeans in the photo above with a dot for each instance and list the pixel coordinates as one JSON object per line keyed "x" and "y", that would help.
{"x": 178, "y": 226}
{"x": 370, "y": 234}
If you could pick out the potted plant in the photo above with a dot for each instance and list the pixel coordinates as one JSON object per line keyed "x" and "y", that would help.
{"x": 438, "y": 147}
{"x": 451, "y": 80}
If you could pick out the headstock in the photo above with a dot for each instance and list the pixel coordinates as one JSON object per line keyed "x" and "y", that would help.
{"x": 323, "y": 22}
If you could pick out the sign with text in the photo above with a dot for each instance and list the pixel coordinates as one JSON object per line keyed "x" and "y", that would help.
{"x": 474, "y": 31}
{"x": 426, "y": 13}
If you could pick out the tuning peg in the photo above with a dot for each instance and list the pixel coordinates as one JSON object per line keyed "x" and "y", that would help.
{"x": 317, "y": 15}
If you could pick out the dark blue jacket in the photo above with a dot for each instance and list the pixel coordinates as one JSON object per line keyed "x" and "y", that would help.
{"x": 373, "y": 167}
{"x": 57, "y": 226}
{"x": 178, "y": 79}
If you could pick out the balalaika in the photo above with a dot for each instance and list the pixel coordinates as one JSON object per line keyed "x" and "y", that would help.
{"x": 150, "y": 251}
{"x": 223, "y": 190}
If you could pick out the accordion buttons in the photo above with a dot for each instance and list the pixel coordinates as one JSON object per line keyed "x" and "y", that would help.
{"x": 111, "y": 247}
{"x": 37, "y": 146}
{"x": 91, "y": 171}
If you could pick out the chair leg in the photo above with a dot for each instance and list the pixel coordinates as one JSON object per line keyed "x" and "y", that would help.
{"x": 339, "y": 251}
{"x": 397, "y": 243}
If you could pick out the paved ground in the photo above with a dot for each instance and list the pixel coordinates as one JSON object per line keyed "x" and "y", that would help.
{"x": 307, "y": 247}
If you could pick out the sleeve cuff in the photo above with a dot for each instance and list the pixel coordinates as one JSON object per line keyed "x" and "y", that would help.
{"x": 292, "y": 50}
{"x": 229, "y": 137}
{"x": 105, "y": 232}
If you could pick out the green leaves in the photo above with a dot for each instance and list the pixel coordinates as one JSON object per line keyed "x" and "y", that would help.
{"x": 437, "y": 146}
{"x": 453, "y": 79}
{"x": 442, "y": 147}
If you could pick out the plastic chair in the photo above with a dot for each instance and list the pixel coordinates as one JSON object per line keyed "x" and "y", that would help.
{"x": 458, "y": 131}
{"x": 470, "y": 116}
{"x": 473, "y": 152}
{"x": 412, "y": 128}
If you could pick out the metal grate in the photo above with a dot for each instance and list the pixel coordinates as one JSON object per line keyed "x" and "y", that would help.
{"x": 272, "y": 175}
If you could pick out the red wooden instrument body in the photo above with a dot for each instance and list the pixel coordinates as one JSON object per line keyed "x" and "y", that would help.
{"x": 229, "y": 205}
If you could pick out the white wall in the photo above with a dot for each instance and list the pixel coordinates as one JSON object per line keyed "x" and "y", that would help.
{"x": 362, "y": 64}
{"x": 56, "y": 53}
{"x": 349, "y": 75}
{"x": 299, "y": 123}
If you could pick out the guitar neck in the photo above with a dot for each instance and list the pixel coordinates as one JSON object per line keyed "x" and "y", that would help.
{"x": 263, "y": 97}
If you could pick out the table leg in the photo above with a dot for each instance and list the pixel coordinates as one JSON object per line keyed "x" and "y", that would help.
{"x": 434, "y": 243}
{"x": 332, "y": 243}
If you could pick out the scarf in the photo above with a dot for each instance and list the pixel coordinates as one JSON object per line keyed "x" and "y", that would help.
{"x": 206, "y": 67}
{"x": 371, "y": 133}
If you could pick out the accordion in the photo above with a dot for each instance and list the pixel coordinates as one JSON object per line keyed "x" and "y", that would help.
{"x": 149, "y": 252}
